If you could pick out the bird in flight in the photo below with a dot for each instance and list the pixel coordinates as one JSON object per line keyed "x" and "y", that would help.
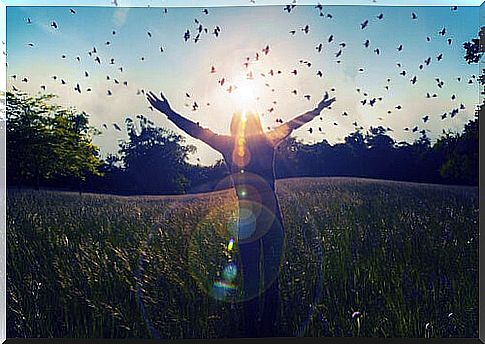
{"x": 72, "y": 11}
{"x": 414, "y": 16}
{"x": 364, "y": 24}
{"x": 54, "y": 25}
{"x": 380, "y": 16}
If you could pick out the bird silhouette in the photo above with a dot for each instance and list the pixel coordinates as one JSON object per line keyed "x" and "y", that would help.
{"x": 306, "y": 29}
{"x": 205, "y": 11}
{"x": 414, "y": 16}
{"x": 265, "y": 50}
{"x": 54, "y": 25}
{"x": 377, "y": 51}
{"x": 414, "y": 79}
{"x": 319, "y": 47}
{"x": 399, "y": 48}
{"x": 72, "y": 11}
{"x": 442, "y": 32}
{"x": 439, "y": 57}
{"x": 364, "y": 24}
{"x": 187, "y": 35}
{"x": 116, "y": 126}
{"x": 289, "y": 8}
{"x": 449, "y": 41}
{"x": 366, "y": 43}
{"x": 330, "y": 39}
{"x": 77, "y": 88}
{"x": 380, "y": 16}
{"x": 425, "y": 118}
{"x": 29, "y": 21}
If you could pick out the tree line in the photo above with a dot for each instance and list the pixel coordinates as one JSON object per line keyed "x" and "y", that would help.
{"x": 51, "y": 146}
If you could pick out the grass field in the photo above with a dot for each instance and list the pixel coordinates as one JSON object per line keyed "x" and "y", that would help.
{"x": 403, "y": 255}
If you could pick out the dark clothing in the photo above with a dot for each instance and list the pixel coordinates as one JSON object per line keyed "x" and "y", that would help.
{"x": 260, "y": 226}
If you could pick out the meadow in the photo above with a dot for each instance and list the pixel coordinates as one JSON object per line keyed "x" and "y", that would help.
{"x": 362, "y": 258}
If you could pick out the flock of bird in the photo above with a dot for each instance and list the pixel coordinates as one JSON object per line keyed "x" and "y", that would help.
{"x": 196, "y": 33}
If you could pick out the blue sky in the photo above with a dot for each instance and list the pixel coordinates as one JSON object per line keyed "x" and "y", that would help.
{"x": 185, "y": 66}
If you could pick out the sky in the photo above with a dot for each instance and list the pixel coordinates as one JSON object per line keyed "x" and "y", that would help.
{"x": 185, "y": 67}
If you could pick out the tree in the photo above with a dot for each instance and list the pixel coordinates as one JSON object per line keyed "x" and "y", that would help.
{"x": 46, "y": 141}
{"x": 154, "y": 158}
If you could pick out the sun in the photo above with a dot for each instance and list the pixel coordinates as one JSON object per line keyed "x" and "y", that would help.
{"x": 246, "y": 94}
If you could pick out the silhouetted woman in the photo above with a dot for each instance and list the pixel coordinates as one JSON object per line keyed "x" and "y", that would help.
{"x": 249, "y": 155}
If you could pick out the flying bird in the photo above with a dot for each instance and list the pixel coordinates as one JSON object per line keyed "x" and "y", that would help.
{"x": 414, "y": 16}
{"x": 364, "y": 24}
{"x": 116, "y": 126}
{"x": 187, "y": 35}
{"x": 72, "y": 11}
{"x": 54, "y": 25}
{"x": 366, "y": 43}
{"x": 380, "y": 16}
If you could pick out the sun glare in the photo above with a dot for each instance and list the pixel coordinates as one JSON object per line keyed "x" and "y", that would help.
{"x": 246, "y": 95}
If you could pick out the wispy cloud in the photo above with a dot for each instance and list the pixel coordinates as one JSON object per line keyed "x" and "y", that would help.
{"x": 120, "y": 16}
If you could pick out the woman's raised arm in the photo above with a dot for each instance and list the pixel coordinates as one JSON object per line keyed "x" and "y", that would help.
{"x": 281, "y": 132}
{"x": 193, "y": 129}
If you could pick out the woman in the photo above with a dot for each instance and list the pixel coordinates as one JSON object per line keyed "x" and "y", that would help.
{"x": 249, "y": 155}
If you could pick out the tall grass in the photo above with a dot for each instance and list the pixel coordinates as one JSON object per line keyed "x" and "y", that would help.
{"x": 362, "y": 258}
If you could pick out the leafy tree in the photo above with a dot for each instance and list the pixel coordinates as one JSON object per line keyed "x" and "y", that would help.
{"x": 154, "y": 158}
{"x": 46, "y": 141}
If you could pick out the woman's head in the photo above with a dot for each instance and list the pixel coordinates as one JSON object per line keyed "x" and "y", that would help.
{"x": 246, "y": 124}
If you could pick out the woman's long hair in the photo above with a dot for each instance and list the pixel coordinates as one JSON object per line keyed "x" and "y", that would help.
{"x": 247, "y": 124}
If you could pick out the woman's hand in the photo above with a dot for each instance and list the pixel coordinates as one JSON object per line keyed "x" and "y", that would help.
{"x": 161, "y": 105}
{"x": 325, "y": 102}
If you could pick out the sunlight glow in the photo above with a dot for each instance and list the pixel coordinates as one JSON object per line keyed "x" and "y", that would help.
{"x": 246, "y": 95}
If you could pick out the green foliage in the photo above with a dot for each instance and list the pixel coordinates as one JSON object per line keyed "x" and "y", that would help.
{"x": 461, "y": 155}
{"x": 45, "y": 141}
{"x": 155, "y": 158}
